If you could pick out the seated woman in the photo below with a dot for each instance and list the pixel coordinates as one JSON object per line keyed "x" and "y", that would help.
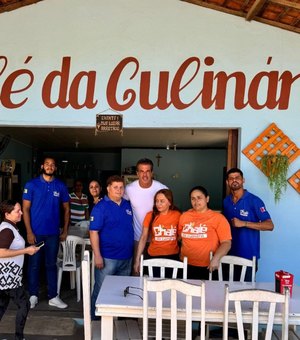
{"x": 203, "y": 230}
{"x": 161, "y": 223}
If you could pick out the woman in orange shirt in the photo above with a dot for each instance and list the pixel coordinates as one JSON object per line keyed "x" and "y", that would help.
{"x": 203, "y": 230}
{"x": 161, "y": 223}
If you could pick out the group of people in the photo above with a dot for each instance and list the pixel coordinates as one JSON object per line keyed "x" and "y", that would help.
{"x": 140, "y": 218}
{"x": 46, "y": 214}
{"x": 80, "y": 204}
{"x": 161, "y": 230}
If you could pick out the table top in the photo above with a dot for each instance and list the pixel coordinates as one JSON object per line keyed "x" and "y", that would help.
{"x": 112, "y": 302}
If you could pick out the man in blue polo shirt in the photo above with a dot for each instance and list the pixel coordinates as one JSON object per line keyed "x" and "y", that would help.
{"x": 43, "y": 198}
{"x": 111, "y": 234}
{"x": 247, "y": 216}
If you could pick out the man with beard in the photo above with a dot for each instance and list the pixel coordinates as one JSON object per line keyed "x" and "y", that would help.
{"x": 43, "y": 198}
{"x": 247, "y": 216}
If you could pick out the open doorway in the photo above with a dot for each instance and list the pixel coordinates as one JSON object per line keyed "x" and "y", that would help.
{"x": 182, "y": 157}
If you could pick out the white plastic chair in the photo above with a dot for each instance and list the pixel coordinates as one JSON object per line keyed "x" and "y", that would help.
{"x": 253, "y": 300}
{"x": 163, "y": 264}
{"x": 173, "y": 287}
{"x": 233, "y": 261}
{"x": 70, "y": 263}
{"x": 83, "y": 224}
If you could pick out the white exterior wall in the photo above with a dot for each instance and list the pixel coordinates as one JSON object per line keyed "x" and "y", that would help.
{"x": 98, "y": 34}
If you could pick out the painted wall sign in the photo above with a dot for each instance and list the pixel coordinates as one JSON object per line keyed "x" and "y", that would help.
{"x": 109, "y": 123}
{"x": 129, "y": 84}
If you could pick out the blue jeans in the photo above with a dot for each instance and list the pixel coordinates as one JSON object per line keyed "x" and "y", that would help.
{"x": 49, "y": 252}
{"x": 111, "y": 267}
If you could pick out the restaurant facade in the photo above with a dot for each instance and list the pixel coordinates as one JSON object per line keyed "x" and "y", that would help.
{"x": 162, "y": 65}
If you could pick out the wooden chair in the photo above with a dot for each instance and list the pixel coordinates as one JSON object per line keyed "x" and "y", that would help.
{"x": 173, "y": 287}
{"x": 92, "y": 329}
{"x": 123, "y": 329}
{"x": 253, "y": 300}
{"x": 163, "y": 264}
{"x": 233, "y": 261}
{"x": 70, "y": 263}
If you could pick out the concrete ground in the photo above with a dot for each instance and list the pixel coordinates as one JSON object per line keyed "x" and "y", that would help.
{"x": 48, "y": 323}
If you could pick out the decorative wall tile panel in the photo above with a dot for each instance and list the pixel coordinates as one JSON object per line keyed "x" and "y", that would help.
{"x": 271, "y": 141}
{"x": 295, "y": 181}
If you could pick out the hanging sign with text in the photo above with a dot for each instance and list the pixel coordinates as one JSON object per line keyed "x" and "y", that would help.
{"x": 109, "y": 123}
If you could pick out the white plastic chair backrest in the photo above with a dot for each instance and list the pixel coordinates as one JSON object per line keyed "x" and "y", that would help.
{"x": 69, "y": 252}
{"x": 83, "y": 224}
{"x": 166, "y": 296}
{"x": 256, "y": 300}
{"x": 163, "y": 264}
{"x": 233, "y": 261}
{"x": 85, "y": 268}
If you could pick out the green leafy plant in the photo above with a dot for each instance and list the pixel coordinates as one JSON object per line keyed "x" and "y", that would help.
{"x": 275, "y": 167}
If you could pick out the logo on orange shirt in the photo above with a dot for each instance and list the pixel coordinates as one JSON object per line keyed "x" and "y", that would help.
{"x": 191, "y": 231}
{"x": 164, "y": 234}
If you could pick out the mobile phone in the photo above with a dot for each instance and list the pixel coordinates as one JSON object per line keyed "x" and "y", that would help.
{"x": 40, "y": 244}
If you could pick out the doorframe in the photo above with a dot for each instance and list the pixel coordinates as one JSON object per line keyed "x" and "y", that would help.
{"x": 232, "y": 155}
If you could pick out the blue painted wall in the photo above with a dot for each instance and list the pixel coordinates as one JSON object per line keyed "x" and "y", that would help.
{"x": 161, "y": 35}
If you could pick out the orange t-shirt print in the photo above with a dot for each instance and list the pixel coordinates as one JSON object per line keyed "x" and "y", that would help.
{"x": 200, "y": 234}
{"x": 164, "y": 233}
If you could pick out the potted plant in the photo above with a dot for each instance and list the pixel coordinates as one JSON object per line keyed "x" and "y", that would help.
{"x": 275, "y": 167}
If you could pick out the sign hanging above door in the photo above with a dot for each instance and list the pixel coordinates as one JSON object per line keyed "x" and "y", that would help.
{"x": 109, "y": 123}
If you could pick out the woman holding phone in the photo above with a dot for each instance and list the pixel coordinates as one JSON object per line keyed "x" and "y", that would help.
{"x": 12, "y": 250}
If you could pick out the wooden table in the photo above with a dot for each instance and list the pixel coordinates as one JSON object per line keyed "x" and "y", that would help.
{"x": 112, "y": 303}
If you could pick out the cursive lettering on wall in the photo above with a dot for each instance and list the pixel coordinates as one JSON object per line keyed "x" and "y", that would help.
{"x": 129, "y": 85}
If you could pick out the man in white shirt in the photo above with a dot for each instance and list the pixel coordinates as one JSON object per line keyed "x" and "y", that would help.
{"x": 141, "y": 193}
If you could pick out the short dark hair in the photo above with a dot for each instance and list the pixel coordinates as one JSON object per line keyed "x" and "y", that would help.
{"x": 234, "y": 170}
{"x": 114, "y": 178}
{"x": 7, "y": 206}
{"x": 48, "y": 157}
{"x": 145, "y": 161}
{"x": 199, "y": 188}
{"x": 78, "y": 180}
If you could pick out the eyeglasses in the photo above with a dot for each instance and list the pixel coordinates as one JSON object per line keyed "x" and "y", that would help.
{"x": 128, "y": 292}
